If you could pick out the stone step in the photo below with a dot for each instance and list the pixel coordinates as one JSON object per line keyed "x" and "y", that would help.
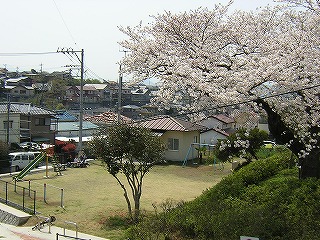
{"x": 10, "y": 215}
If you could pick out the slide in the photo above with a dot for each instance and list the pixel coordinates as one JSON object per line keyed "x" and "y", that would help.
{"x": 30, "y": 166}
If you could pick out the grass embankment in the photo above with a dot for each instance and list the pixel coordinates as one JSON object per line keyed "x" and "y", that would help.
{"x": 91, "y": 195}
{"x": 264, "y": 199}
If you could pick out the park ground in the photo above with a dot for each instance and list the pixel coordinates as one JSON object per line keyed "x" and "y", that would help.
{"x": 91, "y": 195}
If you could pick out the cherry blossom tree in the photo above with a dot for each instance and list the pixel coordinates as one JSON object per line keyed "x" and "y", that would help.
{"x": 268, "y": 59}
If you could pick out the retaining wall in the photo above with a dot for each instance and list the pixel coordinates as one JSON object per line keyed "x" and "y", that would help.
{"x": 10, "y": 215}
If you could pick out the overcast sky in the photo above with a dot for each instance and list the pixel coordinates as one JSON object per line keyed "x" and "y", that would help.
{"x": 38, "y": 26}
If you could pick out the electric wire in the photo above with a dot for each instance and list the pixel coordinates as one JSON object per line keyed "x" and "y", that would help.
{"x": 26, "y": 53}
{"x": 246, "y": 101}
{"x": 64, "y": 22}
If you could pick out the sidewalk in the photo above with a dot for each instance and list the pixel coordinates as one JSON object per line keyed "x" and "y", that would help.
{"x": 10, "y": 232}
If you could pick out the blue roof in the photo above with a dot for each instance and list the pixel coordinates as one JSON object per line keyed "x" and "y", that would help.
{"x": 64, "y": 116}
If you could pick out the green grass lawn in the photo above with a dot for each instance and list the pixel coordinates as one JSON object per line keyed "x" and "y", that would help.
{"x": 92, "y": 195}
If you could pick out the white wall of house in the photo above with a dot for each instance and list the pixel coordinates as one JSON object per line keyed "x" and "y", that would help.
{"x": 211, "y": 137}
{"x": 185, "y": 140}
{"x": 211, "y": 122}
{"x": 14, "y": 131}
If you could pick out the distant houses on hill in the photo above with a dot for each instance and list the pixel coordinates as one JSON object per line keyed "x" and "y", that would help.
{"x": 94, "y": 95}
{"x": 21, "y": 121}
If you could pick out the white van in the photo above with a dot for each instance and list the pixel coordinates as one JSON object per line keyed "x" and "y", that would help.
{"x": 20, "y": 160}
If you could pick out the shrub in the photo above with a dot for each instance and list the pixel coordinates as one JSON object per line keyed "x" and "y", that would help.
{"x": 264, "y": 199}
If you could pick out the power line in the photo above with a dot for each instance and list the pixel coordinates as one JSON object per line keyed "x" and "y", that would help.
{"x": 26, "y": 53}
{"x": 64, "y": 22}
{"x": 251, "y": 100}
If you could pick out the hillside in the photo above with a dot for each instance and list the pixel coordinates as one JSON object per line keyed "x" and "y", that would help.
{"x": 264, "y": 199}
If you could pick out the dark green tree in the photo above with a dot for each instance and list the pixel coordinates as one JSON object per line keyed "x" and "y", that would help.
{"x": 4, "y": 151}
{"x": 130, "y": 151}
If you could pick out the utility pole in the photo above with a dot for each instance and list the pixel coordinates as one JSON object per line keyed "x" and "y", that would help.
{"x": 8, "y": 118}
{"x": 120, "y": 89}
{"x": 70, "y": 51}
{"x": 119, "y": 94}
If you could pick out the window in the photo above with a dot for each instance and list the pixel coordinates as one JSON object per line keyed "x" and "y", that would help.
{"x": 195, "y": 139}
{"x": 173, "y": 144}
{"x": 42, "y": 121}
{"x": 23, "y": 92}
{"x": 5, "y": 124}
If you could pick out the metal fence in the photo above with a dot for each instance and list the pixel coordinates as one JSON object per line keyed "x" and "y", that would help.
{"x": 23, "y": 198}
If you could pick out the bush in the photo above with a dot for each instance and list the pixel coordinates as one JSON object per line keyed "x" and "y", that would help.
{"x": 4, "y": 158}
{"x": 264, "y": 199}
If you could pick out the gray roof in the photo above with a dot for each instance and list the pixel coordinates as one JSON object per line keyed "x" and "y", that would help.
{"x": 24, "y": 108}
{"x": 167, "y": 123}
{"x": 74, "y": 126}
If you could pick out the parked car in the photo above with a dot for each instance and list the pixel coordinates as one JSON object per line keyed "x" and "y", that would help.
{"x": 30, "y": 146}
{"x": 19, "y": 160}
{"x": 269, "y": 144}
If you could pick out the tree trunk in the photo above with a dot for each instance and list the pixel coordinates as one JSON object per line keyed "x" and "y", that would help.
{"x": 136, "y": 198}
{"x": 125, "y": 194}
{"x": 309, "y": 166}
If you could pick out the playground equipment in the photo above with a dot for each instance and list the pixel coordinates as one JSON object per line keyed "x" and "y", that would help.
{"x": 30, "y": 166}
{"x": 57, "y": 166}
{"x": 198, "y": 147}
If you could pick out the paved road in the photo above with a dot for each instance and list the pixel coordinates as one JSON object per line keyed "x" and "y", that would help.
{"x": 10, "y": 232}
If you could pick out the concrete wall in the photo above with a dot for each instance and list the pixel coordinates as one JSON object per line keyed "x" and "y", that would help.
{"x": 12, "y": 216}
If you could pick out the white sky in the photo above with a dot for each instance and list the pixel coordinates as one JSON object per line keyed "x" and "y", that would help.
{"x": 35, "y": 26}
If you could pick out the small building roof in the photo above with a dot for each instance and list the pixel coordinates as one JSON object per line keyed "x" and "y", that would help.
{"x": 223, "y": 118}
{"x": 107, "y": 118}
{"x": 98, "y": 86}
{"x": 16, "y": 80}
{"x": 217, "y": 130}
{"x": 65, "y": 116}
{"x": 24, "y": 108}
{"x": 168, "y": 123}
{"x": 74, "y": 126}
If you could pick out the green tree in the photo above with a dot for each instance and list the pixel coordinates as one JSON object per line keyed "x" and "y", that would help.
{"x": 4, "y": 151}
{"x": 243, "y": 143}
{"x": 130, "y": 151}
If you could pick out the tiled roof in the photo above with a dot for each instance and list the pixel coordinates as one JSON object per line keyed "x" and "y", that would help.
{"x": 24, "y": 108}
{"x": 107, "y": 118}
{"x": 223, "y": 118}
{"x": 167, "y": 123}
{"x": 218, "y": 130}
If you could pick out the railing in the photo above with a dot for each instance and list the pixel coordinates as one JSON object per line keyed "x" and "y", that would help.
{"x": 65, "y": 236}
{"x": 19, "y": 197}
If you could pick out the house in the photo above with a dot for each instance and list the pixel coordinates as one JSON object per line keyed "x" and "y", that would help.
{"x": 177, "y": 134}
{"x": 69, "y": 131}
{"x": 140, "y": 96}
{"x": 19, "y": 91}
{"x": 135, "y": 112}
{"x": 219, "y": 121}
{"x": 22, "y": 81}
{"x": 90, "y": 96}
{"x": 211, "y": 136}
{"x": 21, "y": 122}
{"x": 104, "y": 94}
